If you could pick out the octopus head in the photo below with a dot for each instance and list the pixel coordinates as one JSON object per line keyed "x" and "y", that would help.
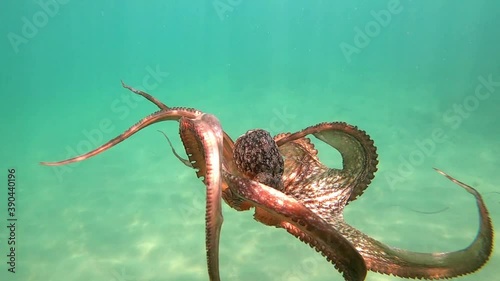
{"x": 256, "y": 155}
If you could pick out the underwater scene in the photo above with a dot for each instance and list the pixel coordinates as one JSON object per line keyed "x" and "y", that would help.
{"x": 367, "y": 129}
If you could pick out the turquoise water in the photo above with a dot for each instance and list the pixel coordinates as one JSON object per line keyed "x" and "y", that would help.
{"x": 135, "y": 213}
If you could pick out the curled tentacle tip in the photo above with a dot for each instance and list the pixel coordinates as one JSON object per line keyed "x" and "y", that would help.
{"x": 439, "y": 171}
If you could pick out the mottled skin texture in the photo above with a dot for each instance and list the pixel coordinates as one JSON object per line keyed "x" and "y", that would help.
{"x": 283, "y": 179}
{"x": 257, "y": 156}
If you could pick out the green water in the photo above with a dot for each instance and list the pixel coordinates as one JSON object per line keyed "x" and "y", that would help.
{"x": 135, "y": 213}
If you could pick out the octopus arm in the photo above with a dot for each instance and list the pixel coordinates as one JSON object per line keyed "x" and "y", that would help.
{"x": 359, "y": 154}
{"x": 301, "y": 222}
{"x": 204, "y": 149}
{"x": 388, "y": 260}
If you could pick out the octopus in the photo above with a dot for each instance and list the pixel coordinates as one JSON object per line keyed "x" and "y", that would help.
{"x": 288, "y": 187}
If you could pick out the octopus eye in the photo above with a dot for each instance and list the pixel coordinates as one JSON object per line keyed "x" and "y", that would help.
{"x": 256, "y": 155}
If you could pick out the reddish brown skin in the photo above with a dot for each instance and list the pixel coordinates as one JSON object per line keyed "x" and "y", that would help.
{"x": 289, "y": 187}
